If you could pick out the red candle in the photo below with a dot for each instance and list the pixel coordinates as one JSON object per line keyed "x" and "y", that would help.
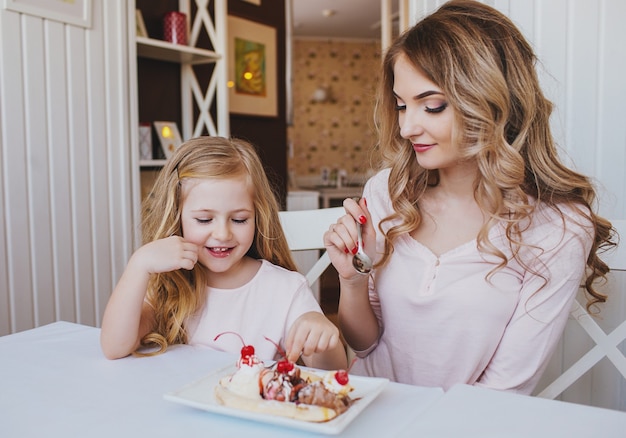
{"x": 175, "y": 28}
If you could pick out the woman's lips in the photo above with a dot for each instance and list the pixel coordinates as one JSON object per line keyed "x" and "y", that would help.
{"x": 422, "y": 147}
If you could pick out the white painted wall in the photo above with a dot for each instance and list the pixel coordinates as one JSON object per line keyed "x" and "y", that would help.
{"x": 66, "y": 222}
{"x": 581, "y": 46}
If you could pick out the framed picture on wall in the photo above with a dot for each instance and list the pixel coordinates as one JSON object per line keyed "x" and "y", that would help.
{"x": 169, "y": 137}
{"x": 77, "y": 12}
{"x": 252, "y": 68}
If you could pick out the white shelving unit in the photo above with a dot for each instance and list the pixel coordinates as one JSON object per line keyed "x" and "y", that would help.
{"x": 194, "y": 122}
{"x": 166, "y": 51}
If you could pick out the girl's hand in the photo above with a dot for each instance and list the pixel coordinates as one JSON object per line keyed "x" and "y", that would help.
{"x": 165, "y": 255}
{"x": 311, "y": 333}
{"x": 341, "y": 238}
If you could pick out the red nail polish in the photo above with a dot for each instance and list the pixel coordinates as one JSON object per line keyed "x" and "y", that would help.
{"x": 346, "y": 250}
{"x": 365, "y": 201}
{"x": 355, "y": 250}
{"x": 362, "y": 219}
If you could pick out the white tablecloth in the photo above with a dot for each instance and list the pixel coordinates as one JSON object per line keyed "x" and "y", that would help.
{"x": 55, "y": 382}
{"x": 473, "y": 412}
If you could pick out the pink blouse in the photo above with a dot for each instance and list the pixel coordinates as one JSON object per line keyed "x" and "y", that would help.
{"x": 442, "y": 322}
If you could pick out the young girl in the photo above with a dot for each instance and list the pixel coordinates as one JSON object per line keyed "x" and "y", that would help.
{"x": 482, "y": 237}
{"x": 216, "y": 260}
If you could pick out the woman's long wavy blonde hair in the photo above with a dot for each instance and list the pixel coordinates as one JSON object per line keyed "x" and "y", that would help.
{"x": 486, "y": 69}
{"x": 178, "y": 294}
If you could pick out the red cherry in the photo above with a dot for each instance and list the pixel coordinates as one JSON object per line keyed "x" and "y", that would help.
{"x": 284, "y": 366}
{"x": 247, "y": 351}
{"x": 342, "y": 377}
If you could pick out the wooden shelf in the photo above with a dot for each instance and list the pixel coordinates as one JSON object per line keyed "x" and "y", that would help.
{"x": 166, "y": 51}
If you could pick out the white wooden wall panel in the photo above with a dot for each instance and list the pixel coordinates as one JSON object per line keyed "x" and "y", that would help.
{"x": 550, "y": 39}
{"x": 38, "y": 170}
{"x": 4, "y": 277}
{"x": 65, "y": 191}
{"x": 583, "y": 78}
{"x": 99, "y": 164}
{"x": 19, "y": 307}
{"x": 582, "y": 52}
{"x": 80, "y": 181}
{"x": 611, "y": 116}
{"x": 57, "y": 127}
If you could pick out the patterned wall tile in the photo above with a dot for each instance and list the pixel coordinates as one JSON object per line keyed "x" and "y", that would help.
{"x": 337, "y": 133}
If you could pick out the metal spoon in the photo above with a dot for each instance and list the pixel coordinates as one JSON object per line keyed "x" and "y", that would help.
{"x": 361, "y": 262}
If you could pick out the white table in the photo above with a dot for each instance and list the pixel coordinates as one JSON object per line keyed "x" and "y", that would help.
{"x": 473, "y": 412}
{"x": 55, "y": 382}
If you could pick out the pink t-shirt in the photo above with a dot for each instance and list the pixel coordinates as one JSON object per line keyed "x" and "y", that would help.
{"x": 267, "y": 305}
{"x": 442, "y": 323}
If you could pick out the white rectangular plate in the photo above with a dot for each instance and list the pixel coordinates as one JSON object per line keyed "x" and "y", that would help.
{"x": 201, "y": 395}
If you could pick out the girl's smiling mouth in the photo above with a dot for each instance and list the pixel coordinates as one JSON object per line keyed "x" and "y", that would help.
{"x": 219, "y": 251}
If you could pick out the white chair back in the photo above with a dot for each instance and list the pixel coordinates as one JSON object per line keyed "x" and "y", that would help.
{"x": 305, "y": 230}
{"x": 606, "y": 344}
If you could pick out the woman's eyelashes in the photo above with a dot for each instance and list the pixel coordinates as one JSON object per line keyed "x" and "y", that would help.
{"x": 440, "y": 107}
{"x": 436, "y": 109}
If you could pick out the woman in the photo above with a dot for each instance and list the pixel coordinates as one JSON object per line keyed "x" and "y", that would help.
{"x": 481, "y": 236}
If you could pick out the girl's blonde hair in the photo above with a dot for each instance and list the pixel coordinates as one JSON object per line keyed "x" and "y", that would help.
{"x": 178, "y": 294}
{"x": 486, "y": 69}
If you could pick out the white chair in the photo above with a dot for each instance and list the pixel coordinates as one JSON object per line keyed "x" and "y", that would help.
{"x": 606, "y": 344}
{"x": 305, "y": 230}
